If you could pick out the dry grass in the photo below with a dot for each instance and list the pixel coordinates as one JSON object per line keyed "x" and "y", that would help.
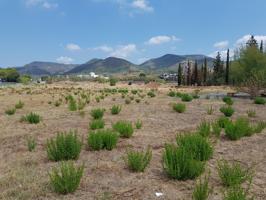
{"x": 24, "y": 175}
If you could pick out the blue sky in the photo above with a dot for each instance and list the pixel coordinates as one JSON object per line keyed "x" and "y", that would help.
{"x": 75, "y": 31}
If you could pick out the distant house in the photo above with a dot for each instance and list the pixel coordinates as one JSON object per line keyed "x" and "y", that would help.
{"x": 93, "y": 75}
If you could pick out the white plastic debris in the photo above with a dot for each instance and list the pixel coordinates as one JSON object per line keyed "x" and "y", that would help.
{"x": 158, "y": 194}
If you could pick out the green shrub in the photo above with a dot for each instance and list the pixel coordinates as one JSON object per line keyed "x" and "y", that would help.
{"x": 137, "y": 161}
{"x": 251, "y": 113}
{"x": 97, "y": 113}
{"x": 259, "y": 100}
{"x": 134, "y": 91}
{"x": 31, "y": 118}
{"x": 127, "y": 101}
{"x": 66, "y": 178}
{"x": 57, "y": 103}
{"x": 239, "y": 128}
{"x": 228, "y": 111}
{"x": 19, "y": 105}
{"x": 216, "y": 129}
{"x": 179, "y": 107}
{"x": 233, "y": 174}
{"x": 186, "y": 97}
{"x": 97, "y": 99}
{"x": 179, "y": 164}
{"x": 237, "y": 193}
{"x": 115, "y": 109}
{"x": 199, "y": 147}
{"x": 113, "y": 81}
{"x": 171, "y": 94}
{"x": 204, "y": 129}
{"x": 137, "y": 100}
{"x": 138, "y": 124}
{"x": 124, "y": 128}
{"x": 202, "y": 190}
{"x": 259, "y": 127}
{"x": 65, "y": 146}
{"x": 11, "y": 111}
{"x": 151, "y": 94}
{"x": 228, "y": 100}
{"x": 31, "y": 143}
{"x": 97, "y": 124}
{"x": 102, "y": 139}
{"x": 222, "y": 121}
{"x": 210, "y": 110}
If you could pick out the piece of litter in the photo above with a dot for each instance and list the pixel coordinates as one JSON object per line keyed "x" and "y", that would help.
{"x": 158, "y": 194}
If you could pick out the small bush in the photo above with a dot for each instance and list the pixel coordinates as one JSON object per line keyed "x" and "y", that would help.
{"x": 11, "y": 111}
{"x": 97, "y": 124}
{"x": 233, "y": 174}
{"x": 204, "y": 129}
{"x": 115, "y": 109}
{"x": 259, "y": 100}
{"x": 97, "y": 113}
{"x": 137, "y": 161}
{"x": 31, "y": 144}
{"x": 72, "y": 104}
{"x": 66, "y": 178}
{"x": 237, "y": 193}
{"x": 124, "y": 128}
{"x": 151, "y": 94}
{"x": 186, "y": 97}
{"x": 259, "y": 127}
{"x": 102, "y": 139}
{"x": 171, "y": 94}
{"x": 31, "y": 118}
{"x": 57, "y": 103}
{"x": 19, "y": 105}
{"x": 251, "y": 113}
{"x": 210, "y": 110}
{"x": 138, "y": 124}
{"x": 137, "y": 100}
{"x": 216, "y": 129}
{"x": 179, "y": 107}
{"x": 202, "y": 190}
{"x": 127, "y": 101}
{"x": 222, "y": 121}
{"x": 113, "y": 81}
{"x": 179, "y": 163}
{"x": 199, "y": 147}
{"x": 65, "y": 146}
{"x": 228, "y": 100}
{"x": 228, "y": 111}
{"x": 239, "y": 128}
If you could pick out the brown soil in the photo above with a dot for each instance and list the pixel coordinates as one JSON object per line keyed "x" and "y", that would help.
{"x": 24, "y": 174}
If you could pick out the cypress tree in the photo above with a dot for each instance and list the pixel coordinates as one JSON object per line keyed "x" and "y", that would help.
{"x": 261, "y": 46}
{"x": 218, "y": 71}
{"x": 189, "y": 74}
{"x": 196, "y": 75}
{"x": 227, "y": 67}
{"x": 205, "y": 71}
{"x": 179, "y": 75}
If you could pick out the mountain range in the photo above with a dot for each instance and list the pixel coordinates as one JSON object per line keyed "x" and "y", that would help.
{"x": 111, "y": 65}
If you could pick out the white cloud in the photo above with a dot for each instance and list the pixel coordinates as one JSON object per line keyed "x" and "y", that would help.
{"x": 221, "y": 45}
{"x": 65, "y": 60}
{"x": 223, "y": 54}
{"x": 42, "y": 3}
{"x": 142, "y": 5}
{"x": 73, "y": 47}
{"x": 161, "y": 39}
{"x": 242, "y": 41}
{"x": 104, "y": 48}
{"x": 124, "y": 51}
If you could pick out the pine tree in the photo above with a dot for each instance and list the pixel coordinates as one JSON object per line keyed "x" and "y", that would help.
{"x": 261, "y": 46}
{"x": 227, "y": 67}
{"x": 179, "y": 76}
{"x": 205, "y": 71}
{"x": 252, "y": 42}
{"x": 218, "y": 71}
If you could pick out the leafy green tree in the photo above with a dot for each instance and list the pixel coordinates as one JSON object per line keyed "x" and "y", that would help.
{"x": 9, "y": 75}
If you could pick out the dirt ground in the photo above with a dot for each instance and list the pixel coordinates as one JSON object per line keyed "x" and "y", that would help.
{"x": 24, "y": 174}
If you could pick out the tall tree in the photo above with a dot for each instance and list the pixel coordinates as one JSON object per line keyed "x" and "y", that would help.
{"x": 179, "y": 75}
{"x": 189, "y": 74}
{"x": 205, "y": 71}
{"x": 196, "y": 74}
{"x": 252, "y": 42}
{"x": 218, "y": 71}
{"x": 227, "y": 67}
{"x": 261, "y": 46}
